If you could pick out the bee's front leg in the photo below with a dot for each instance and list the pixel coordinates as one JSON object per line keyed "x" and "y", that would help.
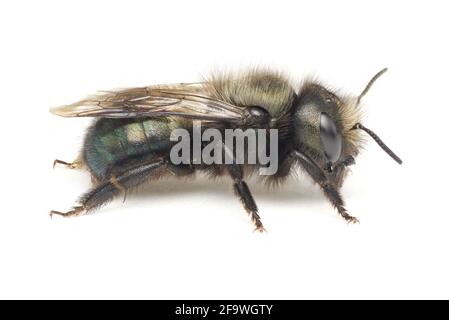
{"x": 329, "y": 190}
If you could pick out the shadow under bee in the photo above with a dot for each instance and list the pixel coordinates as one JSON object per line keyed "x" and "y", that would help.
{"x": 289, "y": 192}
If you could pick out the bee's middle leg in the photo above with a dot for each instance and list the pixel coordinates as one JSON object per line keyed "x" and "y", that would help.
{"x": 241, "y": 189}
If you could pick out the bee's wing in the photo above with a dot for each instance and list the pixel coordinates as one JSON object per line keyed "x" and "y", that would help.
{"x": 192, "y": 101}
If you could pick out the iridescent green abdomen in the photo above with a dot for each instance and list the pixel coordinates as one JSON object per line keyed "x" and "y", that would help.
{"x": 111, "y": 142}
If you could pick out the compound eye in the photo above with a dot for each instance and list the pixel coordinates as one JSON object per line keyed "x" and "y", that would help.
{"x": 330, "y": 138}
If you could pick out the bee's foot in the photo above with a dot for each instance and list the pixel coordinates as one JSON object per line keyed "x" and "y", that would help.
{"x": 260, "y": 229}
{"x": 70, "y": 165}
{"x": 350, "y": 219}
{"x": 76, "y": 211}
{"x": 349, "y": 161}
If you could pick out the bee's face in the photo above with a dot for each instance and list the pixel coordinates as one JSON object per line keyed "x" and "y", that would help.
{"x": 322, "y": 124}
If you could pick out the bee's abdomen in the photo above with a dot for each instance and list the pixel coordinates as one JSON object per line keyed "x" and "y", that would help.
{"x": 111, "y": 142}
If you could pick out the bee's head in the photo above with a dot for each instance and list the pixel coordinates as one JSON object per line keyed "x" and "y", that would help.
{"x": 325, "y": 128}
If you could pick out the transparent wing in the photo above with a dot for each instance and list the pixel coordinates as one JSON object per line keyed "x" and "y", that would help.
{"x": 190, "y": 100}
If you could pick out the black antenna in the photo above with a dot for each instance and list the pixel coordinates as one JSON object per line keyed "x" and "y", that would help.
{"x": 379, "y": 141}
{"x": 370, "y": 83}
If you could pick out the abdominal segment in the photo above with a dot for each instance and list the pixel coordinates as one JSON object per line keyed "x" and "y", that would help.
{"x": 111, "y": 142}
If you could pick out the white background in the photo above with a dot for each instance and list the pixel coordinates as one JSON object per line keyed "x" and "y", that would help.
{"x": 193, "y": 239}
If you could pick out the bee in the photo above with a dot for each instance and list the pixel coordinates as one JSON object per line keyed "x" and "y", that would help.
{"x": 129, "y": 143}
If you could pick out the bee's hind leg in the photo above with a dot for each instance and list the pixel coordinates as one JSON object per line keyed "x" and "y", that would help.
{"x": 76, "y": 164}
{"x": 105, "y": 191}
{"x": 75, "y": 211}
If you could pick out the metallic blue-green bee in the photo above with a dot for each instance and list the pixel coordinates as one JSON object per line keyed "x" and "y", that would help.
{"x": 129, "y": 144}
